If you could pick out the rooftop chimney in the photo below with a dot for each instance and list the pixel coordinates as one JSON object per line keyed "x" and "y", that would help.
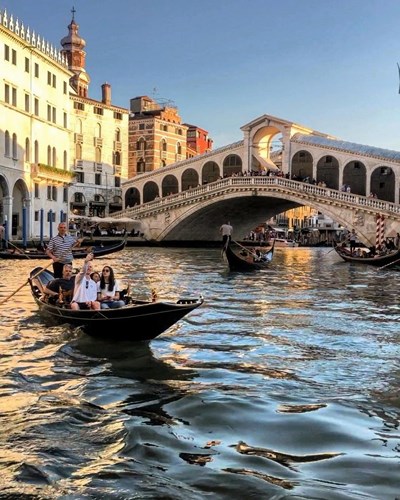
{"x": 106, "y": 93}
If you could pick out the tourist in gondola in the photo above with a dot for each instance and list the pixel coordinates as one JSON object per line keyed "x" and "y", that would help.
{"x": 108, "y": 291}
{"x": 85, "y": 291}
{"x": 60, "y": 290}
{"x": 60, "y": 249}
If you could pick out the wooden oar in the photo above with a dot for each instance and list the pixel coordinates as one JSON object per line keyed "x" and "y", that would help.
{"x": 390, "y": 264}
{"x": 26, "y": 282}
{"x": 19, "y": 250}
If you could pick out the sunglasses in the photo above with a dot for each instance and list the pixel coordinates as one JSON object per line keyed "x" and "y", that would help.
{"x": 106, "y": 271}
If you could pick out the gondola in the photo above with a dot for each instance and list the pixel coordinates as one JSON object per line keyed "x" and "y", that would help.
{"x": 389, "y": 259}
{"x": 138, "y": 320}
{"x": 245, "y": 259}
{"x": 78, "y": 253}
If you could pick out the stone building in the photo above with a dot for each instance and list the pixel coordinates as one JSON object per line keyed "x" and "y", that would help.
{"x": 157, "y": 136}
{"x": 35, "y": 160}
{"x": 61, "y": 152}
{"x": 99, "y": 138}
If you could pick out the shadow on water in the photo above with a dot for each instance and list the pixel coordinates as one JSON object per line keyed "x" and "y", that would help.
{"x": 131, "y": 360}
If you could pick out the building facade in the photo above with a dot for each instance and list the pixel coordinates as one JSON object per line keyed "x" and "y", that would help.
{"x": 35, "y": 174}
{"x": 61, "y": 153}
{"x": 157, "y": 136}
{"x": 197, "y": 141}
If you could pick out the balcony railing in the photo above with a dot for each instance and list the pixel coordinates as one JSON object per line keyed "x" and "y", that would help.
{"x": 41, "y": 171}
{"x": 98, "y": 142}
{"x": 78, "y": 138}
{"x": 98, "y": 167}
{"x": 117, "y": 145}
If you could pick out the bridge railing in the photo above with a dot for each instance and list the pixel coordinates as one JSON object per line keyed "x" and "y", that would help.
{"x": 313, "y": 191}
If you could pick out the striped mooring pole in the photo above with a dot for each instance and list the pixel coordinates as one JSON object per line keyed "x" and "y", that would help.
{"x": 380, "y": 230}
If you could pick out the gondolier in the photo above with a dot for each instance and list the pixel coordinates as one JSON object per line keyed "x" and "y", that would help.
{"x": 60, "y": 249}
{"x": 226, "y": 231}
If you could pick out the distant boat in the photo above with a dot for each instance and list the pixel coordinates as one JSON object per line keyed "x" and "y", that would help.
{"x": 78, "y": 253}
{"x": 247, "y": 259}
{"x": 386, "y": 260}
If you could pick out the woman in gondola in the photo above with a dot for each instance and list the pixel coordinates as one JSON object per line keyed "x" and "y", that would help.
{"x": 108, "y": 290}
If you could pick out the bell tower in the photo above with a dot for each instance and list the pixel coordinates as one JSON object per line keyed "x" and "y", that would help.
{"x": 73, "y": 50}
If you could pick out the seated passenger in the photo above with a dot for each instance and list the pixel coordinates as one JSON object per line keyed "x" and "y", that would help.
{"x": 60, "y": 290}
{"x": 108, "y": 290}
{"x": 85, "y": 291}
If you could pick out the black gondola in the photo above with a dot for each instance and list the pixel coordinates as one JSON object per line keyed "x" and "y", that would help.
{"x": 78, "y": 253}
{"x": 245, "y": 259}
{"x": 389, "y": 259}
{"x": 138, "y": 320}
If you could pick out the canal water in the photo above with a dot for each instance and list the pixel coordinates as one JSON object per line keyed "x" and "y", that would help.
{"x": 283, "y": 385}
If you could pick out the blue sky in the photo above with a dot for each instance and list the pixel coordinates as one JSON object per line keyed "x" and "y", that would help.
{"x": 328, "y": 64}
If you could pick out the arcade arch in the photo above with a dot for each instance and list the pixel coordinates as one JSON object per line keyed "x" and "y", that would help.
{"x": 328, "y": 171}
{"x": 210, "y": 172}
{"x": 355, "y": 176}
{"x": 169, "y": 185}
{"x": 232, "y": 165}
{"x": 190, "y": 179}
{"x": 132, "y": 197}
{"x": 382, "y": 183}
{"x": 302, "y": 165}
{"x": 150, "y": 191}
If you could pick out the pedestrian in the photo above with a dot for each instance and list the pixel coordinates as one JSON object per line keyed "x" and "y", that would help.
{"x": 60, "y": 249}
{"x": 2, "y": 231}
{"x": 226, "y": 231}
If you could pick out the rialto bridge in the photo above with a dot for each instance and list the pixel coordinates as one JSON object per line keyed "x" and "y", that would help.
{"x": 278, "y": 165}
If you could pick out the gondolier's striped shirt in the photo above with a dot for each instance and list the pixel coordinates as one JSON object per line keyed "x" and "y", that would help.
{"x": 60, "y": 246}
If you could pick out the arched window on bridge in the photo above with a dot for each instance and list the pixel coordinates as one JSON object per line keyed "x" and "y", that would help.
{"x": 302, "y": 166}
{"x": 232, "y": 165}
{"x": 355, "y": 178}
{"x": 150, "y": 191}
{"x": 190, "y": 179}
{"x": 132, "y": 197}
{"x": 328, "y": 171}
{"x": 141, "y": 166}
{"x": 383, "y": 183}
{"x": 169, "y": 185}
{"x": 210, "y": 172}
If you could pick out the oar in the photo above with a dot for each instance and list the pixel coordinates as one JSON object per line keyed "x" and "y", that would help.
{"x": 390, "y": 264}
{"x": 17, "y": 248}
{"x": 26, "y": 282}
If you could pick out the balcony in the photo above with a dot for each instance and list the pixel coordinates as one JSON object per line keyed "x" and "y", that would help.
{"x": 78, "y": 138}
{"x": 78, "y": 165}
{"x": 98, "y": 168}
{"x": 98, "y": 142}
{"x": 117, "y": 170}
{"x": 117, "y": 146}
{"x": 43, "y": 172}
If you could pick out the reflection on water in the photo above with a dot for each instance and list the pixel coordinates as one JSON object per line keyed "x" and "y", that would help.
{"x": 284, "y": 384}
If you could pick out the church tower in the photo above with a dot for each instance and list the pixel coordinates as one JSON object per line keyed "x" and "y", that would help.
{"x": 73, "y": 46}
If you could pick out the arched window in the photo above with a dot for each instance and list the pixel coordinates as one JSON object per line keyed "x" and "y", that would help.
{"x": 97, "y": 130}
{"x": 65, "y": 161}
{"x": 98, "y": 155}
{"x": 54, "y": 158}
{"x": 27, "y": 150}
{"x": 178, "y": 148}
{"x": 7, "y": 149}
{"x": 14, "y": 147}
{"x": 118, "y": 135}
{"x": 48, "y": 155}
{"x": 36, "y": 152}
{"x": 117, "y": 158}
{"x": 78, "y": 126}
{"x": 141, "y": 144}
{"x": 78, "y": 151}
